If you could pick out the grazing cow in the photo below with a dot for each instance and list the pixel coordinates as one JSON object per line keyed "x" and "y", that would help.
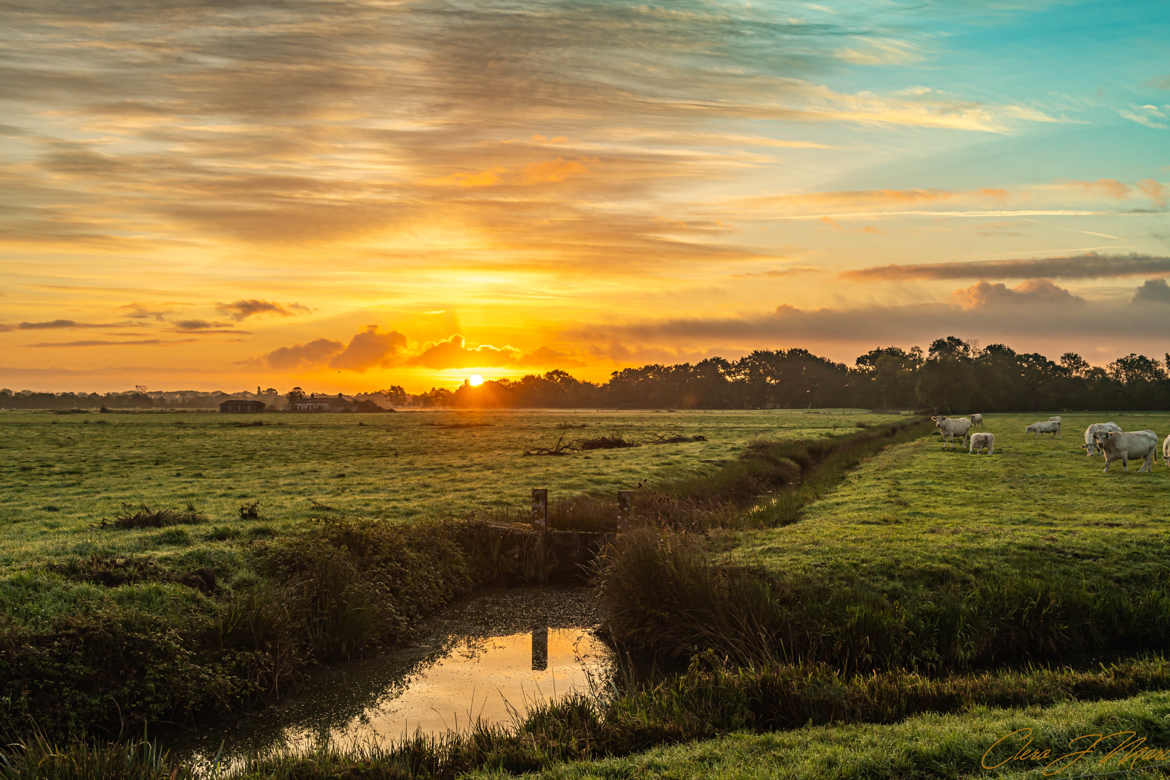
{"x": 1091, "y": 447}
{"x": 976, "y": 420}
{"x": 1048, "y": 426}
{"x": 950, "y": 427}
{"x": 1138, "y": 445}
{"x": 1166, "y": 451}
{"x": 982, "y": 441}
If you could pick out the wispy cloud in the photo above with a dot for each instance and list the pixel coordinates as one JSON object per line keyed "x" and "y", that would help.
{"x": 1089, "y": 266}
{"x": 1156, "y": 117}
{"x": 102, "y": 343}
{"x": 242, "y": 309}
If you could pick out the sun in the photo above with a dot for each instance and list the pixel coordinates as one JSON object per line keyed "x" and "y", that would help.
{"x": 475, "y": 380}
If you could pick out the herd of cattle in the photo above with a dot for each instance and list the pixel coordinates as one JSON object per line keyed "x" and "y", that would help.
{"x": 1105, "y": 438}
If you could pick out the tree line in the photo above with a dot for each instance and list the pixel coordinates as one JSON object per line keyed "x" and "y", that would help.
{"x": 952, "y": 376}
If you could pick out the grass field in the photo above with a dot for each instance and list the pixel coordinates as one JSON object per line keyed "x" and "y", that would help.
{"x": 205, "y": 607}
{"x": 932, "y": 558}
{"x": 867, "y": 630}
{"x": 64, "y": 471}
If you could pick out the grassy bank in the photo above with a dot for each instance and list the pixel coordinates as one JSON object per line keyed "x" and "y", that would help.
{"x": 709, "y": 702}
{"x": 925, "y": 559}
{"x": 1125, "y": 738}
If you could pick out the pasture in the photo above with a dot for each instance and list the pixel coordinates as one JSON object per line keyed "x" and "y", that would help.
{"x": 929, "y": 558}
{"x": 262, "y": 553}
{"x": 939, "y": 559}
{"x": 60, "y": 475}
{"x": 928, "y": 580}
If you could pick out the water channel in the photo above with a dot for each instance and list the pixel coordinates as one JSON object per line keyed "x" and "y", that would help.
{"x": 485, "y": 660}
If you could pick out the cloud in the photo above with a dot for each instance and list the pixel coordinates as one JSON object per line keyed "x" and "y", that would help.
{"x": 369, "y": 349}
{"x": 1029, "y": 293}
{"x": 137, "y": 311}
{"x": 242, "y": 309}
{"x": 1077, "y": 327}
{"x": 1087, "y": 266}
{"x": 95, "y": 343}
{"x": 59, "y": 324}
{"x": 1111, "y": 187}
{"x": 454, "y": 353}
{"x": 1152, "y": 290}
{"x": 881, "y": 51}
{"x": 198, "y": 325}
{"x": 1155, "y": 190}
{"x": 795, "y": 270}
{"x": 1155, "y": 117}
{"x": 303, "y": 355}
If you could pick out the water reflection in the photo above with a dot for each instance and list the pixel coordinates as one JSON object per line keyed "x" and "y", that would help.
{"x": 467, "y": 679}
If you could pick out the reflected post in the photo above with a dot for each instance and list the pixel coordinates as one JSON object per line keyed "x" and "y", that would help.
{"x": 540, "y": 647}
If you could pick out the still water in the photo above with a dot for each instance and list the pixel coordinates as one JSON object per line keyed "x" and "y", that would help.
{"x": 447, "y": 680}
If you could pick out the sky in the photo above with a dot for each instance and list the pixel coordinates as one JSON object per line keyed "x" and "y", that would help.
{"x": 351, "y": 194}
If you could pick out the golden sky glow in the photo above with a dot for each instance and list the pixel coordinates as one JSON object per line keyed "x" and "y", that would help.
{"x": 349, "y": 194}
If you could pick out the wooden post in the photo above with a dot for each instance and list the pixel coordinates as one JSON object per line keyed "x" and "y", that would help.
{"x": 539, "y": 648}
{"x": 540, "y": 509}
{"x": 625, "y": 508}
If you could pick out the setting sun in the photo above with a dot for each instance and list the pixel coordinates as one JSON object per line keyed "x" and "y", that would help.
{"x": 475, "y": 380}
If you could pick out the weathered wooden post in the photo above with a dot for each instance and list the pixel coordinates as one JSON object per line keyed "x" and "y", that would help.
{"x": 540, "y": 647}
{"x": 540, "y": 524}
{"x": 625, "y": 508}
{"x": 540, "y": 509}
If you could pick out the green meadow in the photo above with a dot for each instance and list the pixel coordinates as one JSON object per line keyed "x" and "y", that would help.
{"x": 61, "y": 471}
{"x": 219, "y": 556}
{"x": 884, "y": 608}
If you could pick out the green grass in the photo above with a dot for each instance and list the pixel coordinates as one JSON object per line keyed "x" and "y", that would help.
{"x": 866, "y": 634}
{"x": 926, "y": 746}
{"x": 923, "y": 558}
{"x": 153, "y": 603}
{"x": 60, "y": 473}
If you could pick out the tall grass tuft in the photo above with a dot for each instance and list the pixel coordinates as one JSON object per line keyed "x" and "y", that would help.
{"x": 145, "y": 517}
{"x": 36, "y": 758}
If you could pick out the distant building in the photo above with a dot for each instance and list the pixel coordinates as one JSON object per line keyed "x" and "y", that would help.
{"x": 321, "y": 403}
{"x": 238, "y": 406}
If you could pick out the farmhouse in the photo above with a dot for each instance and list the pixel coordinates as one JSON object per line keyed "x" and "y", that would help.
{"x": 238, "y": 406}
{"x": 321, "y": 403}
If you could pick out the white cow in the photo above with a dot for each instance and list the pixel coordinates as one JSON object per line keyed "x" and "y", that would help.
{"x": 1091, "y": 447}
{"x": 976, "y": 419}
{"x": 950, "y": 427}
{"x": 1138, "y": 445}
{"x": 1048, "y": 426}
{"x": 1166, "y": 451}
{"x": 982, "y": 441}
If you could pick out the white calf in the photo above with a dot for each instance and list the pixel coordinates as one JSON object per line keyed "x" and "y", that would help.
{"x": 982, "y": 441}
{"x": 1048, "y": 426}
{"x": 1091, "y": 447}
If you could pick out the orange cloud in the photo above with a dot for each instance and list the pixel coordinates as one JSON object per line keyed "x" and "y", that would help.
{"x": 1031, "y": 292}
{"x": 545, "y": 172}
{"x": 1155, "y": 190}
{"x": 552, "y": 171}
{"x": 1111, "y": 187}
